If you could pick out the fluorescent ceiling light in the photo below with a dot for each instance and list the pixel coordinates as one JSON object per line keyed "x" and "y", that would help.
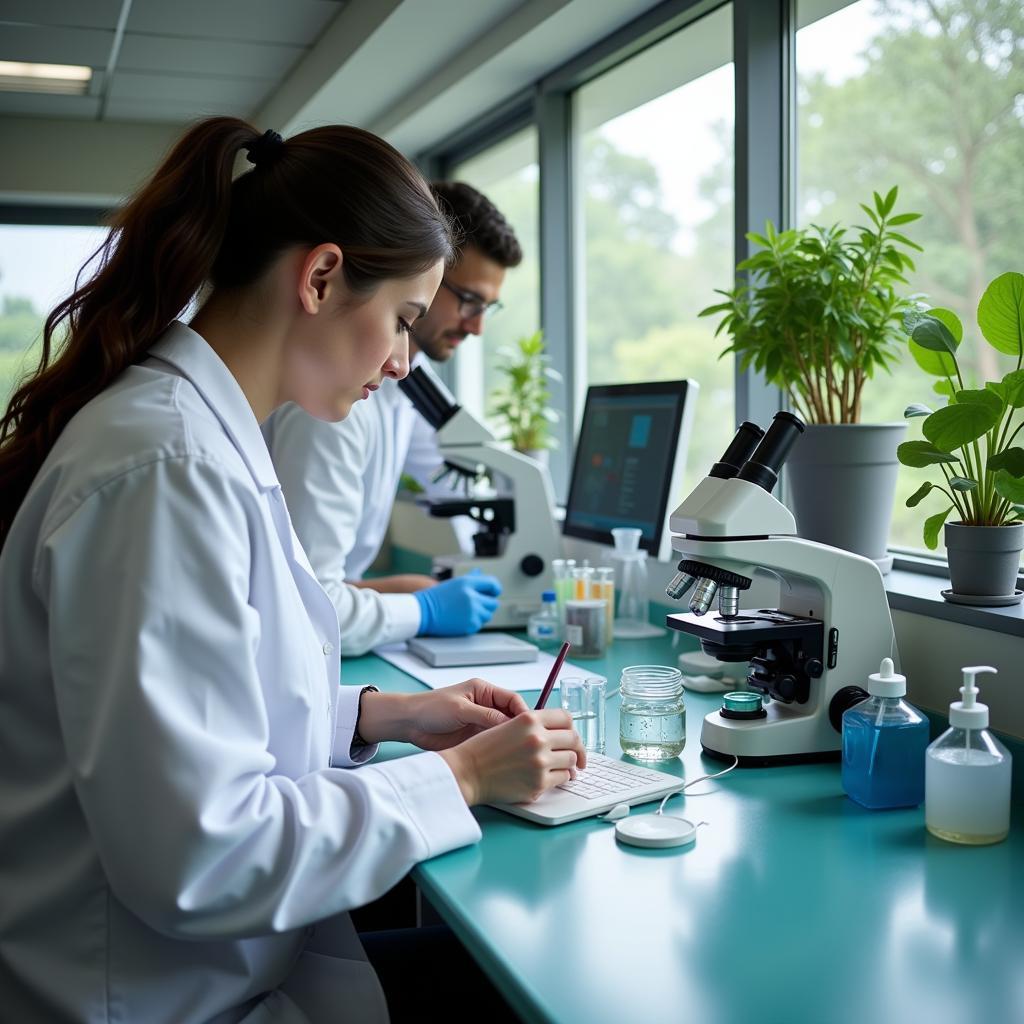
{"x": 69, "y": 79}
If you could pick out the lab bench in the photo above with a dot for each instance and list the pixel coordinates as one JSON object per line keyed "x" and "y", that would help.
{"x": 794, "y": 905}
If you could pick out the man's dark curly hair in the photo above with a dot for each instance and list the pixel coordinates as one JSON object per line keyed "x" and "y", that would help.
{"x": 478, "y": 222}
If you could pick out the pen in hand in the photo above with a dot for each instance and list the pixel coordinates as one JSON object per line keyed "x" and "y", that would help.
{"x": 549, "y": 684}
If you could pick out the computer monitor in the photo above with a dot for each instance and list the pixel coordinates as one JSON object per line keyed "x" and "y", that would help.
{"x": 629, "y": 461}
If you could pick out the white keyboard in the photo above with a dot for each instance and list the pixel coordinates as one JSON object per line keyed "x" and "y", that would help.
{"x": 604, "y": 777}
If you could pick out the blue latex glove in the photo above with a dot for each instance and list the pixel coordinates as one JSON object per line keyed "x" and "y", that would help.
{"x": 458, "y": 606}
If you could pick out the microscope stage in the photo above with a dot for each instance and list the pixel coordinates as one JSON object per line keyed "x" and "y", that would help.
{"x": 748, "y": 627}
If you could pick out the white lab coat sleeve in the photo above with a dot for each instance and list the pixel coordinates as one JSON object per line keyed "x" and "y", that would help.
{"x": 321, "y": 468}
{"x": 368, "y": 619}
{"x": 423, "y": 462}
{"x": 343, "y": 754}
{"x": 166, "y": 721}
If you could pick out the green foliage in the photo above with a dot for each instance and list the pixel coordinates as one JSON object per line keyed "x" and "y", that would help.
{"x": 21, "y": 328}
{"x": 974, "y": 432}
{"x": 820, "y": 311}
{"x": 410, "y": 485}
{"x": 522, "y": 405}
{"x": 20, "y": 324}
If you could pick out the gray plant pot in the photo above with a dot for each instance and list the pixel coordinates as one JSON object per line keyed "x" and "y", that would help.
{"x": 984, "y": 560}
{"x": 842, "y": 482}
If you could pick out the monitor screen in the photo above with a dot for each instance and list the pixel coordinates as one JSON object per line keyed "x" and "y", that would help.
{"x": 626, "y": 459}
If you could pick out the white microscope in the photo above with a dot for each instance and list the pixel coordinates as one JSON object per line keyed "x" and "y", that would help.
{"x": 805, "y": 657}
{"x": 519, "y": 538}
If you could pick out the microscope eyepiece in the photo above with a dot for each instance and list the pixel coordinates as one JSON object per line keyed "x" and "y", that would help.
{"x": 762, "y": 468}
{"x": 433, "y": 401}
{"x": 739, "y": 450}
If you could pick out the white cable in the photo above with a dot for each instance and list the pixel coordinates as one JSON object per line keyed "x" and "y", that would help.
{"x": 703, "y": 778}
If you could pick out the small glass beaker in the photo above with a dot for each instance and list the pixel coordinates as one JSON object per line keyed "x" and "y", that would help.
{"x": 652, "y": 716}
{"x": 585, "y": 627}
{"x": 583, "y": 698}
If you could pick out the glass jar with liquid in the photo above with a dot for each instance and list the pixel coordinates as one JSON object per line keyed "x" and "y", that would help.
{"x": 652, "y": 716}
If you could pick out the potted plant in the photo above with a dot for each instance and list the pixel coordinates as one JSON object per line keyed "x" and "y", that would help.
{"x": 522, "y": 405}
{"x": 819, "y": 314}
{"x": 970, "y": 441}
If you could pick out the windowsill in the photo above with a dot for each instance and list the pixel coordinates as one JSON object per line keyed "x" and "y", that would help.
{"x": 917, "y": 591}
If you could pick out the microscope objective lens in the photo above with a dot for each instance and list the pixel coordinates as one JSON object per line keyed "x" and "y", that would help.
{"x": 728, "y": 602}
{"x": 681, "y": 583}
{"x": 703, "y": 595}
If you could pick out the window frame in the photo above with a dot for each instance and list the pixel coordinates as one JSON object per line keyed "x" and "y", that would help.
{"x": 763, "y": 60}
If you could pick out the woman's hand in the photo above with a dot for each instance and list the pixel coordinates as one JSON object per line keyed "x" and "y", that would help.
{"x": 518, "y": 761}
{"x": 443, "y": 718}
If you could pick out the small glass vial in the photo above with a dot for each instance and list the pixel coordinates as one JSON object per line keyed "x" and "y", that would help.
{"x": 582, "y": 581}
{"x": 563, "y": 584}
{"x": 543, "y": 627}
{"x": 652, "y": 716}
{"x": 604, "y": 589}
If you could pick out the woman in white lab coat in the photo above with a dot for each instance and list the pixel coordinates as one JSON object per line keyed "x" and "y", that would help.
{"x": 182, "y": 818}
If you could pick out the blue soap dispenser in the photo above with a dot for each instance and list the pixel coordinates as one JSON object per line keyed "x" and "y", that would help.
{"x": 884, "y": 742}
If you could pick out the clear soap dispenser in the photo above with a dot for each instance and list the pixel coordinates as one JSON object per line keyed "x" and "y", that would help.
{"x": 884, "y": 741}
{"x": 967, "y": 774}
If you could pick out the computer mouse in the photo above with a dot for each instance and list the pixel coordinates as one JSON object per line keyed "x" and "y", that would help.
{"x": 655, "y": 830}
{"x": 616, "y": 813}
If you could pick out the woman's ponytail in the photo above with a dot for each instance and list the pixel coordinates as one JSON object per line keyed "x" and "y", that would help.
{"x": 161, "y": 249}
{"x": 191, "y": 225}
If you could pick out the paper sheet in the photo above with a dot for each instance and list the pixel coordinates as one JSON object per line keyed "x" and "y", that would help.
{"x": 529, "y": 675}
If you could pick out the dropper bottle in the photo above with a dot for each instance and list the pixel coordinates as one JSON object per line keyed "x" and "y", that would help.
{"x": 884, "y": 741}
{"x": 967, "y": 774}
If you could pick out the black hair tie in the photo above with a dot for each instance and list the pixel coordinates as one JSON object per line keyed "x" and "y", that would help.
{"x": 265, "y": 149}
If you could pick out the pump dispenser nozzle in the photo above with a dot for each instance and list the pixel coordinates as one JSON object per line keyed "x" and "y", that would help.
{"x": 968, "y": 713}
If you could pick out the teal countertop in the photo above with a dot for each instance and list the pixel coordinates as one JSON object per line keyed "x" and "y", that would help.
{"x": 794, "y": 905}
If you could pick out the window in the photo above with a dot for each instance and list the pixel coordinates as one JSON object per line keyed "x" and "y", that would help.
{"x": 928, "y": 96}
{"x": 37, "y": 269}
{"x": 655, "y": 159}
{"x": 507, "y": 173}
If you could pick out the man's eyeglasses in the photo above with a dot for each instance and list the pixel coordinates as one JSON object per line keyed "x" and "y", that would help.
{"x": 472, "y": 305}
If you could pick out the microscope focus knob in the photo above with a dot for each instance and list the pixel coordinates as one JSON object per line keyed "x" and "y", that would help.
{"x": 785, "y": 687}
{"x": 532, "y": 565}
{"x": 814, "y": 668}
{"x": 842, "y": 701}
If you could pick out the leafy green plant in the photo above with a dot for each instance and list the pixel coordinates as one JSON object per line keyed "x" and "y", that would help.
{"x": 522, "y": 404}
{"x": 970, "y": 439}
{"x": 820, "y": 311}
{"x": 410, "y": 485}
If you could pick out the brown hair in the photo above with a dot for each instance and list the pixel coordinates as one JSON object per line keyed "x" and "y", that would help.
{"x": 191, "y": 224}
{"x": 479, "y": 222}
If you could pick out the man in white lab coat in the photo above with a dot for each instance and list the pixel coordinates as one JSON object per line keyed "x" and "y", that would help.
{"x": 340, "y": 479}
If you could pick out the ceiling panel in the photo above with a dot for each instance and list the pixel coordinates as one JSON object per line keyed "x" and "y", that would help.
{"x": 193, "y": 89}
{"x": 295, "y": 22}
{"x": 206, "y": 56}
{"x": 171, "y": 111}
{"x": 45, "y": 45}
{"x": 32, "y": 104}
{"x": 73, "y": 13}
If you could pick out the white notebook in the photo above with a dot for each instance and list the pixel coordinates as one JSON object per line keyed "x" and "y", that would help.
{"x": 522, "y": 677}
{"x": 481, "y": 649}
